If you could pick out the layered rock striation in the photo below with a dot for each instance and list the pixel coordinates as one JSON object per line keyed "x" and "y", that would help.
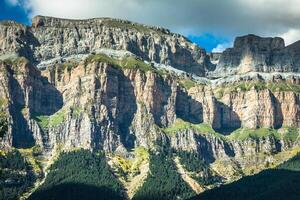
{"x": 52, "y": 38}
{"x": 144, "y": 90}
{"x": 254, "y": 53}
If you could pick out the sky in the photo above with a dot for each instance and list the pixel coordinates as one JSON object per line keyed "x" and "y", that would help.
{"x": 212, "y": 24}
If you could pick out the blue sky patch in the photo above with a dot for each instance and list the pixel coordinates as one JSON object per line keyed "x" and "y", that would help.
{"x": 208, "y": 41}
{"x": 10, "y": 12}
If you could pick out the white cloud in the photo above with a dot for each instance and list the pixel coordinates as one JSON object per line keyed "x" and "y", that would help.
{"x": 291, "y": 36}
{"x": 227, "y": 18}
{"x": 221, "y": 47}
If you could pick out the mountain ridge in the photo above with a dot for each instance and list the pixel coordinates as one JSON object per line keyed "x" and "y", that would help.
{"x": 137, "y": 99}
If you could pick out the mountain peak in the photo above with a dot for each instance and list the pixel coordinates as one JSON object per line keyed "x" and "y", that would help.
{"x": 259, "y": 42}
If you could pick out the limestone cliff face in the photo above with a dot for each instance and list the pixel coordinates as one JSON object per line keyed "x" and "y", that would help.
{"x": 52, "y": 38}
{"x": 108, "y": 108}
{"x": 25, "y": 92}
{"x": 254, "y": 53}
{"x": 116, "y": 103}
{"x": 252, "y": 109}
{"x": 100, "y": 106}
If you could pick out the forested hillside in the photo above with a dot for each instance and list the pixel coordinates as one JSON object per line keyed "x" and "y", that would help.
{"x": 280, "y": 183}
{"x": 79, "y": 175}
{"x": 16, "y": 175}
{"x": 163, "y": 182}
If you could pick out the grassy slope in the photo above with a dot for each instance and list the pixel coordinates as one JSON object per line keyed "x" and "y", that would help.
{"x": 290, "y": 134}
{"x": 51, "y": 121}
{"x": 246, "y": 86}
{"x": 125, "y": 63}
{"x": 181, "y": 125}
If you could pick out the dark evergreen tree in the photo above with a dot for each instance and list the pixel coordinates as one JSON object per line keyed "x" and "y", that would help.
{"x": 163, "y": 182}
{"x": 280, "y": 183}
{"x": 79, "y": 175}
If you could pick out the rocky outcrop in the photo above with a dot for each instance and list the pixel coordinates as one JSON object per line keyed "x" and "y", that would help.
{"x": 254, "y": 53}
{"x": 52, "y": 38}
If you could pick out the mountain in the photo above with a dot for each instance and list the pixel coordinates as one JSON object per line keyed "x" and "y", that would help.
{"x": 51, "y": 39}
{"x": 147, "y": 109}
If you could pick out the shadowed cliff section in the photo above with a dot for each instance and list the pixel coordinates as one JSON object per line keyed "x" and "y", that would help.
{"x": 120, "y": 100}
{"x": 280, "y": 183}
{"x": 188, "y": 108}
{"x": 29, "y": 94}
{"x": 228, "y": 119}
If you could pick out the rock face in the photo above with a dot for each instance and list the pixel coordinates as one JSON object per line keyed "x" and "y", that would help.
{"x": 53, "y": 38}
{"x": 117, "y": 103}
{"x": 99, "y": 106}
{"x": 25, "y": 92}
{"x": 254, "y": 53}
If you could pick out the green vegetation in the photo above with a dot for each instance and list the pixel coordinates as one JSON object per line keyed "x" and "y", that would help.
{"x": 16, "y": 61}
{"x": 3, "y": 118}
{"x": 32, "y": 157}
{"x": 246, "y": 133}
{"x": 43, "y": 121}
{"x": 132, "y": 63}
{"x": 198, "y": 168}
{"x": 283, "y": 86}
{"x": 69, "y": 65}
{"x": 293, "y": 164}
{"x": 3, "y": 124}
{"x": 3, "y": 102}
{"x": 282, "y": 182}
{"x": 181, "y": 125}
{"x": 50, "y": 121}
{"x": 101, "y": 58}
{"x": 162, "y": 72}
{"x": 288, "y": 134}
{"x": 126, "y": 63}
{"x": 79, "y": 175}
{"x": 16, "y": 175}
{"x": 129, "y": 25}
{"x": 76, "y": 111}
{"x": 178, "y": 126}
{"x": 245, "y": 86}
{"x": 128, "y": 167}
{"x": 187, "y": 83}
{"x": 163, "y": 182}
{"x": 142, "y": 155}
